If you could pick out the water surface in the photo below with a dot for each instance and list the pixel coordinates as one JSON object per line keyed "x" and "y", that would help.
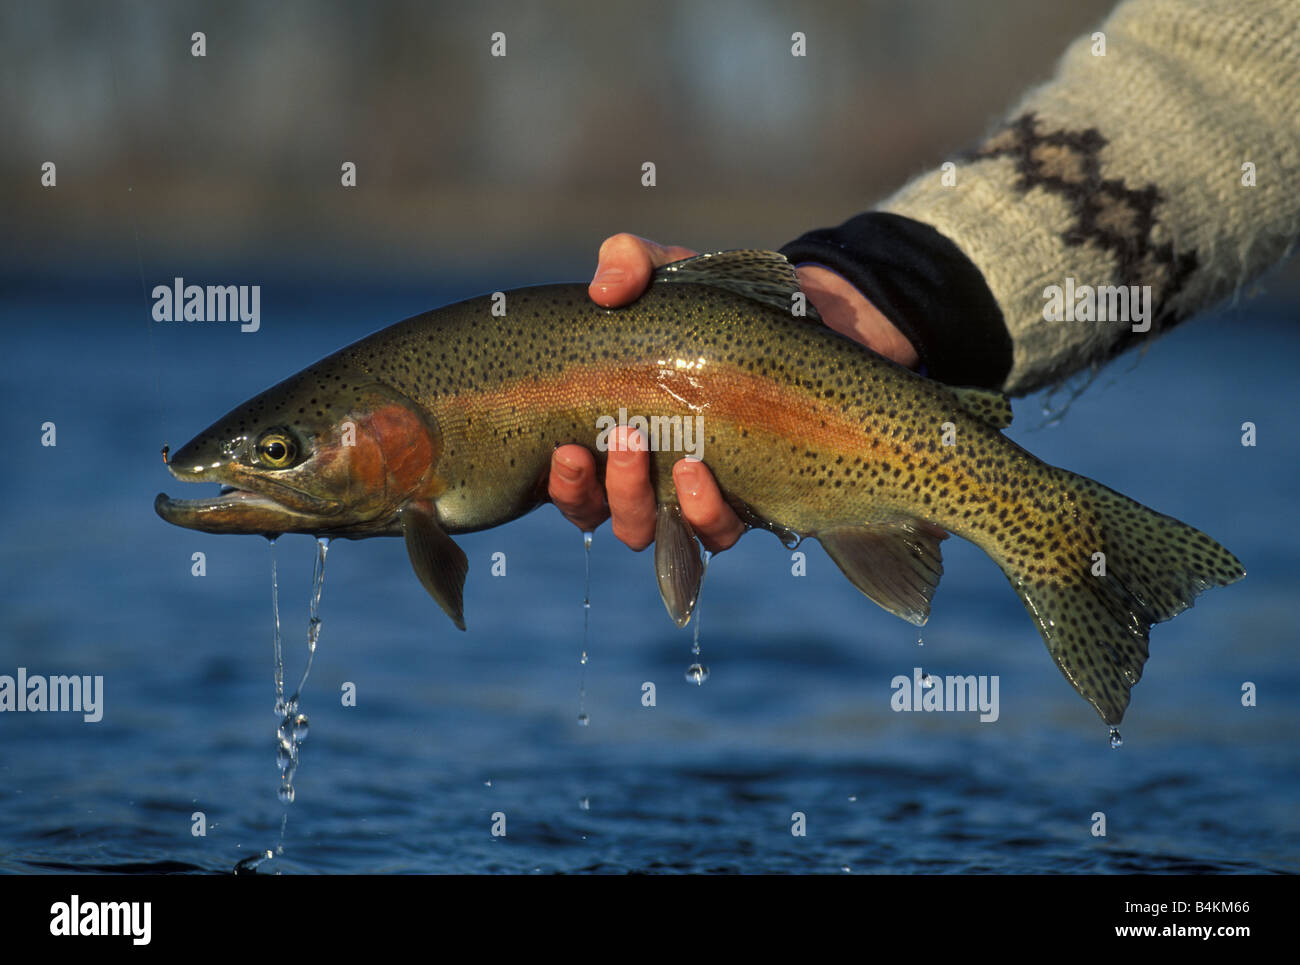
{"x": 451, "y": 728}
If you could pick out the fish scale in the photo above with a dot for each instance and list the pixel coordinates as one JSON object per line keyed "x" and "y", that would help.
{"x": 456, "y": 413}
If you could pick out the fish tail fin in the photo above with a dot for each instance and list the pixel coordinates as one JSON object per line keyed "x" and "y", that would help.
{"x": 1095, "y": 608}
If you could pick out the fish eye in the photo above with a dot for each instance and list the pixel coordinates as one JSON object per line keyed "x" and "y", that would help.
{"x": 276, "y": 449}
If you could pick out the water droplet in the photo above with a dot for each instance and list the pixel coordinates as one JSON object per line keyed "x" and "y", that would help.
{"x": 286, "y": 793}
{"x": 853, "y": 797}
{"x": 584, "y": 804}
{"x": 926, "y": 680}
{"x": 586, "y": 628}
{"x": 301, "y": 725}
{"x": 253, "y": 860}
{"x": 283, "y": 757}
{"x": 695, "y": 634}
{"x": 846, "y": 869}
{"x": 1115, "y": 739}
{"x": 920, "y": 640}
{"x": 697, "y": 673}
{"x": 487, "y": 783}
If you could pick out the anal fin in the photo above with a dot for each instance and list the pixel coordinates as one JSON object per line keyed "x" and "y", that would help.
{"x": 897, "y": 565}
{"x": 437, "y": 560}
{"x": 677, "y": 562}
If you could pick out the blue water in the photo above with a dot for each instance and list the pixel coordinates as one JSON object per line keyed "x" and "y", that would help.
{"x": 451, "y": 728}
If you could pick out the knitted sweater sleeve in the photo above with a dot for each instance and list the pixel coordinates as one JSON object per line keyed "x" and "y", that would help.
{"x": 1163, "y": 158}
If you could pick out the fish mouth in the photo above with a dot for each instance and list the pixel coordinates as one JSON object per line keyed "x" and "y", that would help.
{"x": 269, "y": 510}
{"x": 236, "y": 511}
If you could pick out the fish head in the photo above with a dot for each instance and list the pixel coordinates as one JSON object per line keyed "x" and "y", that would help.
{"x": 330, "y": 452}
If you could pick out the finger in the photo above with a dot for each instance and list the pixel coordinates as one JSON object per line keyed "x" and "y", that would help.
{"x": 628, "y": 489}
{"x": 714, "y": 522}
{"x": 574, "y": 489}
{"x": 624, "y": 266}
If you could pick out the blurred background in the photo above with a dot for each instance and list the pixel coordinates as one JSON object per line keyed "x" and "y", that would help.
{"x": 464, "y": 158}
{"x": 477, "y": 173}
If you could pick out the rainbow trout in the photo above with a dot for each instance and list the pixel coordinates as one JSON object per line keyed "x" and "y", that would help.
{"x": 445, "y": 423}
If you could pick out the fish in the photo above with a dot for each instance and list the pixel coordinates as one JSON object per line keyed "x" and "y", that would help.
{"x": 445, "y": 424}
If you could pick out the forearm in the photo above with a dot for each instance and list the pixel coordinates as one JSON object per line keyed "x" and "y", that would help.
{"x": 1124, "y": 170}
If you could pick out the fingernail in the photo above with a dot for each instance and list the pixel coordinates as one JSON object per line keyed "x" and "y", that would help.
{"x": 609, "y": 276}
{"x": 566, "y": 472}
{"x": 630, "y": 440}
{"x": 688, "y": 479}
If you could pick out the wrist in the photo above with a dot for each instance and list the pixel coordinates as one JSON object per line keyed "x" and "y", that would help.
{"x": 849, "y": 312}
{"x": 926, "y": 288}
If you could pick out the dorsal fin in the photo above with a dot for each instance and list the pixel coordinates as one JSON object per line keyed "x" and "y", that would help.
{"x": 764, "y": 276}
{"x": 991, "y": 408}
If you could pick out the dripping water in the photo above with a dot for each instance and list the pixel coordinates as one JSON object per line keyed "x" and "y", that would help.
{"x": 313, "y": 610}
{"x": 583, "y": 720}
{"x": 294, "y": 725}
{"x": 253, "y": 860}
{"x": 1115, "y": 739}
{"x": 697, "y": 673}
{"x": 275, "y": 640}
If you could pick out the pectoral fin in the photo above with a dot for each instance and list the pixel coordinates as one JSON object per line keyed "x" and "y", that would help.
{"x": 677, "y": 562}
{"x": 438, "y": 562}
{"x": 897, "y": 564}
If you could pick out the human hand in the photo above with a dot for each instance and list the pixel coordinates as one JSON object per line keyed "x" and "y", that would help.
{"x": 623, "y": 272}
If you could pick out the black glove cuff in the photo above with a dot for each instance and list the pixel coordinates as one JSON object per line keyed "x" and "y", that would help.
{"x": 925, "y": 285}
